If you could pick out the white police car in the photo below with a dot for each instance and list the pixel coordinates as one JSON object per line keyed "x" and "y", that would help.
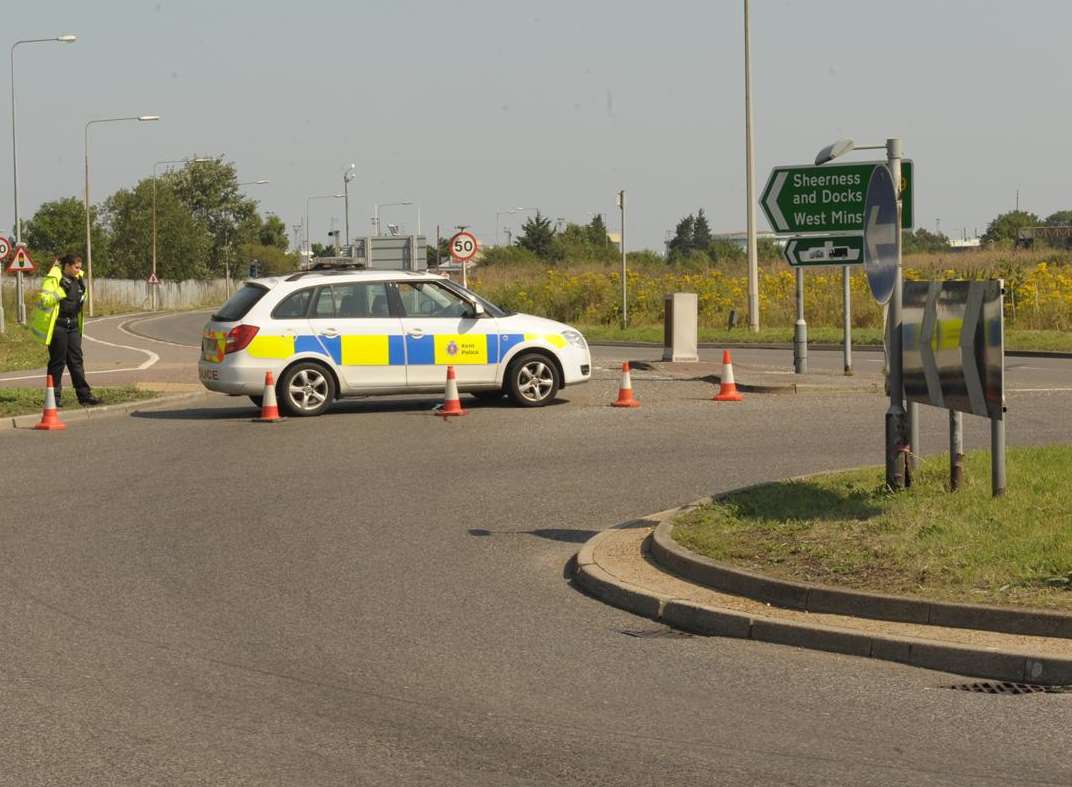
{"x": 335, "y": 333}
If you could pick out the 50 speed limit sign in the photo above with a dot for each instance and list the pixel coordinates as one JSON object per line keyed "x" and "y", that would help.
{"x": 5, "y": 247}
{"x": 463, "y": 246}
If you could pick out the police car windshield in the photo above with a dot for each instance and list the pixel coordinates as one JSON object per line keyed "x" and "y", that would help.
{"x": 240, "y": 303}
{"x": 489, "y": 307}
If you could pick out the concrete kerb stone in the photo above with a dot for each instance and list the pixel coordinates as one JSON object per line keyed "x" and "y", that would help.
{"x": 27, "y": 421}
{"x": 816, "y": 598}
{"x": 713, "y": 621}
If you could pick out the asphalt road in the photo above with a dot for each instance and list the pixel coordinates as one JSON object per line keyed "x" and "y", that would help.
{"x": 377, "y": 596}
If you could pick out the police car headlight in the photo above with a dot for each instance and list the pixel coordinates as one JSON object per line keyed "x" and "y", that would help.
{"x": 575, "y": 338}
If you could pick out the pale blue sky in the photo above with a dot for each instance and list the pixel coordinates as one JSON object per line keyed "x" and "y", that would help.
{"x": 474, "y": 106}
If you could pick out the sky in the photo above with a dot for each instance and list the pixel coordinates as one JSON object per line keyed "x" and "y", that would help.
{"x": 474, "y": 107}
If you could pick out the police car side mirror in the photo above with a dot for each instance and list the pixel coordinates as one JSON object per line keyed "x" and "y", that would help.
{"x": 476, "y": 310}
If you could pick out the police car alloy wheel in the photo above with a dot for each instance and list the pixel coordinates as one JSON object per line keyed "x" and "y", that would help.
{"x": 533, "y": 380}
{"x": 306, "y": 389}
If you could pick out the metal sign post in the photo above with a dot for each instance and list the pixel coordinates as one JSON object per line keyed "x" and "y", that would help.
{"x": 463, "y": 247}
{"x": 882, "y": 262}
{"x": 847, "y": 282}
{"x": 800, "y": 330}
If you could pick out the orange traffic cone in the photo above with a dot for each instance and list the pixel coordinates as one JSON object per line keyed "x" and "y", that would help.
{"x": 727, "y": 391}
{"x": 452, "y": 405}
{"x": 625, "y": 390}
{"x": 50, "y": 417}
{"x": 269, "y": 407}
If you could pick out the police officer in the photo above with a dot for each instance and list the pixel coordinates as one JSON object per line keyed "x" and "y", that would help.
{"x": 57, "y": 322}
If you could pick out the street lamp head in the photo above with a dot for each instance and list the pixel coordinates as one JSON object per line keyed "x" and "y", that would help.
{"x": 261, "y": 182}
{"x": 833, "y": 150}
{"x": 143, "y": 118}
{"x": 67, "y": 38}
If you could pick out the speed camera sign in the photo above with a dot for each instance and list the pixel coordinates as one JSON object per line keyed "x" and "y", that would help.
{"x": 463, "y": 246}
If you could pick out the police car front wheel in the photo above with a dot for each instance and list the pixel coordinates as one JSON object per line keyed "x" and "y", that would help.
{"x": 533, "y": 380}
{"x": 306, "y": 389}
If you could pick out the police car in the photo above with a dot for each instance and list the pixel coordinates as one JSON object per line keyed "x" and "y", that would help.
{"x": 330, "y": 334}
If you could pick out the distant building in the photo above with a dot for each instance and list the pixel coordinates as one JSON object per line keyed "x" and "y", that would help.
{"x": 966, "y": 243}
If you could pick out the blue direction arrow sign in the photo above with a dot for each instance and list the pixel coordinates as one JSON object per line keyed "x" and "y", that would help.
{"x": 826, "y": 198}
{"x": 825, "y": 250}
{"x": 880, "y": 235}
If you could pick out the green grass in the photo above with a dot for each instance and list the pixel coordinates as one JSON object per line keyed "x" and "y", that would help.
{"x": 1060, "y": 341}
{"x": 844, "y": 529}
{"x": 23, "y": 401}
{"x": 19, "y": 349}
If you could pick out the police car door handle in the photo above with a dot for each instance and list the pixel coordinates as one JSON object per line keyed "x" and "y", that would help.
{"x": 416, "y": 333}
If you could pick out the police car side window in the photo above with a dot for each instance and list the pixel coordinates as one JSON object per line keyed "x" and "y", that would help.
{"x": 428, "y": 299}
{"x": 323, "y": 304}
{"x": 362, "y": 299}
{"x": 295, "y": 306}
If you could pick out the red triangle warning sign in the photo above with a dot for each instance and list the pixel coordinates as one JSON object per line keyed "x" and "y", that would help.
{"x": 152, "y": 279}
{"x": 21, "y": 262}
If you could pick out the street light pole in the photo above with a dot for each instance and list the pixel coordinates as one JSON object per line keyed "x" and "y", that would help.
{"x": 308, "y": 243}
{"x": 750, "y": 176}
{"x": 20, "y": 306}
{"x": 89, "y": 242}
{"x": 347, "y": 176}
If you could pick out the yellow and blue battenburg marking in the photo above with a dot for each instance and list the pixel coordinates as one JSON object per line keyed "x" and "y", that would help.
{"x": 381, "y": 350}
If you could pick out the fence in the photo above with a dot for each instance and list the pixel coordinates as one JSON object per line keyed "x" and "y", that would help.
{"x": 112, "y": 295}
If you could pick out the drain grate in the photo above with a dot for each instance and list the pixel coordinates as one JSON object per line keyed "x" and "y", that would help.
{"x": 663, "y": 632}
{"x": 1011, "y": 689}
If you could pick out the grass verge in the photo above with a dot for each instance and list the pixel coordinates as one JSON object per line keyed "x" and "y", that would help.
{"x": 844, "y": 529}
{"x": 20, "y": 350}
{"x": 1052, "y": 341}
{"x": 23, "y": 401}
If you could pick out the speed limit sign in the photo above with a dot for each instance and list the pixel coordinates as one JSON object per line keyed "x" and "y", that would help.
{"x": 5, "y": 247}
{"x": 463, "y": 246}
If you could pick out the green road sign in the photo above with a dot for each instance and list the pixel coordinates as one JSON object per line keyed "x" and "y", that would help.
{"x": 828, "y": 198}
{"x": 825, "y": 250}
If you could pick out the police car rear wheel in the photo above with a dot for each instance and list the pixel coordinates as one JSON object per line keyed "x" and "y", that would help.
{"x": 306, "y": 389}
{"x": 533, "y": 380}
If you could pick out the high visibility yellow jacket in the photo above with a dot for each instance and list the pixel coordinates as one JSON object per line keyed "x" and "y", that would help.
{"x": 47, "y": 308}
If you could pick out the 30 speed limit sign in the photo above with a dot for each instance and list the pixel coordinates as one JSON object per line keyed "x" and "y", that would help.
{"x": 463, "y": 246}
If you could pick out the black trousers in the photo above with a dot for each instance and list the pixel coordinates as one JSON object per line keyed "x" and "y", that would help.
{"x": 66, "y": 350}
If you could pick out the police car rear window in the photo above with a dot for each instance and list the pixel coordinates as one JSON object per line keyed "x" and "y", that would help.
{"x": 240, "y": 303}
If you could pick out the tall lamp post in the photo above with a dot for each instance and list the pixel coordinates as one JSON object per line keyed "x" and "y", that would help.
{"x": 89, "y": 242}
{"x": 507, "y": 212}
{"x": 155, "y": 165}
{"x": 376, "y": 213}
{"x": 308, "y": 244}
{"x": 20, "y": 308}
{"x": 347, "y": 176}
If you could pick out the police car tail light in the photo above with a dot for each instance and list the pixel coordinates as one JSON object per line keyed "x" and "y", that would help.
{"x": 239, "y": 337}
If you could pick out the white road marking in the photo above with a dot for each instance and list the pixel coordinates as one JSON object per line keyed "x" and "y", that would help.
{"x": 123, "y": 328}
{"x": 152, "y": 357}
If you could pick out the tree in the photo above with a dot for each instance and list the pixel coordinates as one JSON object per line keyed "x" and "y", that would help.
{"x": 1007, "y": 226}
{"x": 273, "y": 232}
{"x": 923, "y": 241}
{"x": 682, "y": 241}
{"x": 59, "y": 228}
{"x": 183, "y": 243}
{"x": 701, "y": 232}
{"x": 1062, "y": 218}
{"x": 320, "y": 250}
{"x": 722, "y": 250}
{"x": 209, "y": 190}
{"x": 537, "y": 235}
{"x": 444, "y": 252}
{"x": 597, "y": 232}
{"x": 273, "y": 260}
